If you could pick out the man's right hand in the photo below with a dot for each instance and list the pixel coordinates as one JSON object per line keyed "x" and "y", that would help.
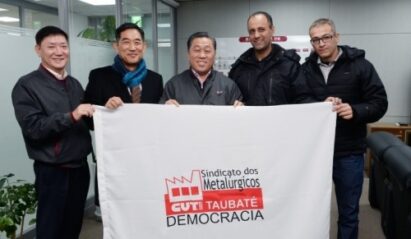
{"x": 172, "y": 102}
{"x": 114, "y": 102}
{"x": 83, "y": 110}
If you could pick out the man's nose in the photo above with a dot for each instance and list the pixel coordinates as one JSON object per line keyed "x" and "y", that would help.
{"x": 256, "y": 35}
{"x": 133, "y": 46}
{"x": 59, "y": 50}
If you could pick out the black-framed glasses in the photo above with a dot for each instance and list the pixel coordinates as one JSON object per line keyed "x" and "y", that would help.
{"x": 324, "y": 39}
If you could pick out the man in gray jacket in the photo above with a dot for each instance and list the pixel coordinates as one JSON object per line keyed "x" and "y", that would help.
{"x": 201, "y": 85}
{"x": 47, "y": 104}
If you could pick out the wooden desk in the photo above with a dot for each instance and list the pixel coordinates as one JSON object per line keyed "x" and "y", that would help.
{"x": 402, "y": 132}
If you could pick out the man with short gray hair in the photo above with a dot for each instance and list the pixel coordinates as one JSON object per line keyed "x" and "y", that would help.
{"x": 341, "y": 74}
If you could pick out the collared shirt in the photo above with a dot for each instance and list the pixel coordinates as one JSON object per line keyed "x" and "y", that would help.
{"x": 57, "y": 75}
{"x": 327, "y": 67}
{"x": 199, "y": 78}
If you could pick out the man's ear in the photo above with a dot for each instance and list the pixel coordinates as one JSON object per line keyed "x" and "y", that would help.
{"x": 115, "y": 46}
{"x": 37, "y": 49}
{"x": 337, "y": 37}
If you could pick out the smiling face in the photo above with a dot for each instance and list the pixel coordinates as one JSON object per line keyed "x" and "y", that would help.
{"x": 54, "y": 52}
{"x": 130, "y": 47}
{"x": 260, "y": 32}
{"x": 201, "y": 55}
{"x": 325, "y": 42}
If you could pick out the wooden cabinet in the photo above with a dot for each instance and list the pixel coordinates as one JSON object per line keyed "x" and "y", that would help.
{"x": 403, "y": 132}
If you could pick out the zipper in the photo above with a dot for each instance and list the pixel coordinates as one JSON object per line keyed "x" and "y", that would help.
{"x": 270, "y": 89}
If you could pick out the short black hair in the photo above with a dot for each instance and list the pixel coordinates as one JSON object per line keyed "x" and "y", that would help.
{"x": 126, "y": 26}
{"x": 49, "y": 31}
{"x": 268, "y": 16}
{"x": 201, "y": 35}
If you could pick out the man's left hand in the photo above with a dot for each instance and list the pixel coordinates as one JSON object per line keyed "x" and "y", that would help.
{"x": 238, "y": 103}
{"x": 344, "y": 110}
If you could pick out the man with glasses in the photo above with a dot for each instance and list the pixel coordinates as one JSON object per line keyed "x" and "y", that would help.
{"x": 341, "y": 74}
{"x": 266, "y": 73}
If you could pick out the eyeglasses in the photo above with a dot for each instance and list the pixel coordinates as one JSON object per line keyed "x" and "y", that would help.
{"x": 324, "y": 39}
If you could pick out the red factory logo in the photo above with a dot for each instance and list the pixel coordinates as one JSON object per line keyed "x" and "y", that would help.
{"x": 214, "y": 196}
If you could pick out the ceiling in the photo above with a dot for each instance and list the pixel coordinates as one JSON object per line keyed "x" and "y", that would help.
{"x": 135, "y": 7}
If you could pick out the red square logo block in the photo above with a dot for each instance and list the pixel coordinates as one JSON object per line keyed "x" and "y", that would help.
{"x": 194, "y": 191}
{"x": 175, "y": 192}
{"x": 185, "y": 191}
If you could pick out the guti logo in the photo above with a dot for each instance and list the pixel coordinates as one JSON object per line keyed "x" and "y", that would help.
{"x": 214, "y": 196}
{"x": 184, "y": 195}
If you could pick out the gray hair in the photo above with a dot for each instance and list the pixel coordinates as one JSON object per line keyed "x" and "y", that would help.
{"x": 323, "y": 21}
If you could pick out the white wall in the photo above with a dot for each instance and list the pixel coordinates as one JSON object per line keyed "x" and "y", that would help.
{"x": 17, "y": 59}
{"x": 88, "y": 54}
{"x": 382, "y": 28}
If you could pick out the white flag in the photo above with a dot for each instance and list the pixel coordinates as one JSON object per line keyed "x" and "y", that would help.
{"x": 215, "y": 171}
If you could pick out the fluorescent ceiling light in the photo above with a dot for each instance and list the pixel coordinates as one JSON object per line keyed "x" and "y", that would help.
{"x": 9, "y": 19}
{"x": 99, "y": 2}
{"x": 13, "y": 34}
{"x": 163, "y": 25}
{"x": 164, "y": 44}
{"x": 2, "y": 10}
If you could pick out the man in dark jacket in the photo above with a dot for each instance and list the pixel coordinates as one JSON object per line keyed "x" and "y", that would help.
{"x": 127, "y": 80}
{"x": 341, "y": 74}
{"x": 267, "y": 74}
{"x": 47, "y": 104}
{"x": 201, "y": 85}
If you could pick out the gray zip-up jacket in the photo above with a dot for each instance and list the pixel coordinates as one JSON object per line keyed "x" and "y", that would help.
{"x": 43, "y": 109}
{"x": 218, "y": 89}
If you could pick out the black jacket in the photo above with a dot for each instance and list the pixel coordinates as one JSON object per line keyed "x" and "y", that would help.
{"x": 43, "y": 109}
{"x": 355, "y": 81}
{"x": 273, "y": 81}
{"x": 105, "y": 82}
{"x": 218, "y": 89}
